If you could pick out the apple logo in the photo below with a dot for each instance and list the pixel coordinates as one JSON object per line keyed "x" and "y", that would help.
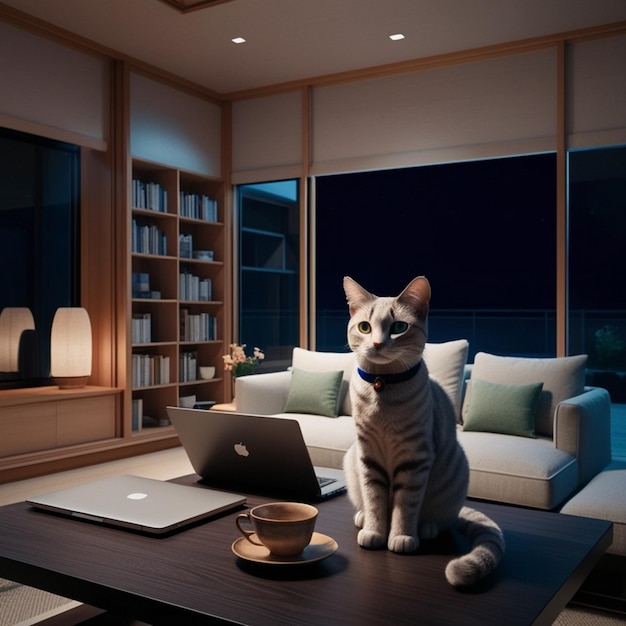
{"x": 137, "y": 496}
{"x": 241, "y": 450}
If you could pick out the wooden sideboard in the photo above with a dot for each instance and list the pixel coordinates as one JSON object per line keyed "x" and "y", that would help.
{"x": 49, "y": 429}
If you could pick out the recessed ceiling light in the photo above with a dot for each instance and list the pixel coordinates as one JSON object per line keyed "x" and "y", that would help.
{"x": 238, "y": 40}
{"x": 396, "y": 37}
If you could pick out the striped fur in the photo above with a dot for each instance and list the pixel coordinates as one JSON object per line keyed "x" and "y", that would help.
{"x": 407, "y": 474}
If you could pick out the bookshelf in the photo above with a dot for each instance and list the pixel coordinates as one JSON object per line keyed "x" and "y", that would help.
{"x": 177, "y": 284}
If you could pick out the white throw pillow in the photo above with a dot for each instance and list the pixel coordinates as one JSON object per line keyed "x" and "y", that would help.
{"x": 446, "y": 365}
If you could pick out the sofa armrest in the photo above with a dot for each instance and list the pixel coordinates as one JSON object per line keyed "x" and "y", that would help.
{"x": 582, "y": 427}
{"x": 263, "y": 394}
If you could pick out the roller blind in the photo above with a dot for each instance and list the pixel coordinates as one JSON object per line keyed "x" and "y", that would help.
{"x": 495, "y": 107}
{"x": 267, "y": 138}
{"x": 52, "y": 90}
{"x": 596, "y": 92}
{"x": 173, "y": 127}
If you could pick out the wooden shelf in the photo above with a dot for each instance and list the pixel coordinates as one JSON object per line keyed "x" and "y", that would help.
{"x": 177, "y": 277}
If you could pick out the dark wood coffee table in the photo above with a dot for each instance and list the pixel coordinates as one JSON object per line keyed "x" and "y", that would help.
{"x": 193, "y": 577}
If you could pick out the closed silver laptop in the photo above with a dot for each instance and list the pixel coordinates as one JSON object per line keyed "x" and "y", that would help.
{"x": 253, "y": 453}
{"x": 136, "y": 503}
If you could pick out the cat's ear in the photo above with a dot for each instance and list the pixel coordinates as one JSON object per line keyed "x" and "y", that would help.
{"x": 355, "y": 294}
{"x": 417, "y": 295}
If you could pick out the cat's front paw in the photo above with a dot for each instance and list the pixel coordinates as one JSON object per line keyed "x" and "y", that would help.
{"x": 370, "y": 539}
{"x": 359, "y": 519}
{"x": 403, "y": 544}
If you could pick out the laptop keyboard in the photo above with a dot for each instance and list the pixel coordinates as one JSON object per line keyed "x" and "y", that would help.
{"x": 325, "y": 481}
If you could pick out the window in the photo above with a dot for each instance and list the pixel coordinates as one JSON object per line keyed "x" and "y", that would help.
{"x": 39, "y": 244}
{"x": 597, "y": 264}
{"x": 483, "y": 232}
{"x": 269, "y": 281}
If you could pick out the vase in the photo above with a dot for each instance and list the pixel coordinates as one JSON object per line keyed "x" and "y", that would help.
{"x": 244, "y": 369}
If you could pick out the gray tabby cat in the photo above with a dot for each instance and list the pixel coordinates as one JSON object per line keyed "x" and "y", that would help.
{"x": 407, "y": 475}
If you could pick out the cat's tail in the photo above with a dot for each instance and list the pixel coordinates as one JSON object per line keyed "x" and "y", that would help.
{"x": 487, "y": 549}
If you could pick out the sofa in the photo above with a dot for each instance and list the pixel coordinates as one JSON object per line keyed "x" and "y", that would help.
{"x": 534, "y": 434}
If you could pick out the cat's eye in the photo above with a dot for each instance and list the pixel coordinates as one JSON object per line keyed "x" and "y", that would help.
{"x": 397, "y": 328}
{"x": 365, "y": 328}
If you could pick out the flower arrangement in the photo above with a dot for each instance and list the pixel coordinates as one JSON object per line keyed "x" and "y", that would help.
{"x": 238, "y": 363}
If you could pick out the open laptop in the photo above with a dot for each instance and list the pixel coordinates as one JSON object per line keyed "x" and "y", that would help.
{"x": 142, "y": 504}
{"x": 253, "y": 453}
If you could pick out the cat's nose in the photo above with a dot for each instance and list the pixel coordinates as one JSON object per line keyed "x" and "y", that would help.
{"x": 378, "y": 345}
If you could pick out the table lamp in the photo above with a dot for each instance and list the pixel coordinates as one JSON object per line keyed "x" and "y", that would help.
{"x": 13, "y": 322}
{"x": 70, "y": 347}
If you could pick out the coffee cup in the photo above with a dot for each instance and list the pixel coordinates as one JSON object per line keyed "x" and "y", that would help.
{"x": 284, "y": 528}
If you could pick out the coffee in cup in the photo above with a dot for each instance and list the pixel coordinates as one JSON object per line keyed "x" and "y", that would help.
{"x": 284, "y": 528}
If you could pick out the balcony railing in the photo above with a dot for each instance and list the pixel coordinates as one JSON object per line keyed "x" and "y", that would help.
{"x": 531, "y": 332}
{"x": 528, "y": 332}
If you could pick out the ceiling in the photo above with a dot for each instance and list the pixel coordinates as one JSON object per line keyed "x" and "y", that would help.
{"x": 292, "y": 40}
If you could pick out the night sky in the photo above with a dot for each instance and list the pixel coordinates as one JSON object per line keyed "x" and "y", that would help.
{"x": 597, "y": 227}
{"x": 482, "y": 232}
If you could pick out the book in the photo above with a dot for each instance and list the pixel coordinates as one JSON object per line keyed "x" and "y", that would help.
{"x": 197, "y": 327}
{"x": 137, "y": 414}
{"x": 198, "y": 206}
{"x": 141, "y": 328}
{"x": 185, "y": 246}
{"x": 150, "y": 369}
{"x": 192, "y": 288}
{"x": 147, "y": 238}
{"x": 141, "y": 285}
{"x": 149, "y": 195}
{"x": 188, "y": 366}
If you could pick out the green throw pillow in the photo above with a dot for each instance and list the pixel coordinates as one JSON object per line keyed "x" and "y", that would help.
{"x": 314, "y": 392}
{"x": 504, "y": 409}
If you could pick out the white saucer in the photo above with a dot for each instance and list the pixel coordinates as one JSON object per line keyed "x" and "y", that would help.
{"x": 321, "y": 547}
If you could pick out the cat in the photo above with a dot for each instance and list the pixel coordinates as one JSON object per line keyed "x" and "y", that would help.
{"x": 407, "y": 475}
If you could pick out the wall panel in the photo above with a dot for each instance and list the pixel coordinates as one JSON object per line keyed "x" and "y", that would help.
{"x": 596, "y": 92}
{"x": 52, "y": 90}
{"x": 267, "y": 137}
{"x": 495, "y": 107}
{"x": 173, "y": 127}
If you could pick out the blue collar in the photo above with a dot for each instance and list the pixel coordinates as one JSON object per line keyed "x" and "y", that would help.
{"x": 380, "y": 381}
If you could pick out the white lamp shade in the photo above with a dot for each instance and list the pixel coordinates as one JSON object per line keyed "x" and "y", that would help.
{"x": 13, "y": 322}
{"x": 70, "y": 347}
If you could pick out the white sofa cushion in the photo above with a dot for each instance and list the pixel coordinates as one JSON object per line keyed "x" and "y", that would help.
{"x": 327, "y": 440}
{"x": 446, "y": 365}
{"x": 603, "y": 498}
{"x": 518, "y": 470}
{"x": 562, "y": 378}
